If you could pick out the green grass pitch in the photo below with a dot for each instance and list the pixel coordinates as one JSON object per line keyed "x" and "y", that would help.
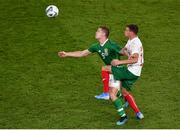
{"x": 40, "y": 90}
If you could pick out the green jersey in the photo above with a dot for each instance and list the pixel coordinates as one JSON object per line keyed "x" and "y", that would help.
{"x": 109, "y": 51}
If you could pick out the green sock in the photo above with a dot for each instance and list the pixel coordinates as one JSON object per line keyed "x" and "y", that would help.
{"x": 118, "y": 104}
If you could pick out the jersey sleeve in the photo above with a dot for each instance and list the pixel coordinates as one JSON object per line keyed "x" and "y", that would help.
{"x": 93, "y": 48}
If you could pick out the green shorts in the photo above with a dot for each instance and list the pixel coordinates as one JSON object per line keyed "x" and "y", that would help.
{"x": 123, "y": 74}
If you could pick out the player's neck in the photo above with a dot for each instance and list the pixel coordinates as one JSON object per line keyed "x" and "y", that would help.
{"x": 103, "y": 41}
{"x": 132, "y": 37}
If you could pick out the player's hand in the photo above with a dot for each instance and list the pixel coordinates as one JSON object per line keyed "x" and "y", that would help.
{"x": 130, "y": 57}
{"x": 133, "y": 57}
{"x": 62, "y": 54}
{"x": 115, "y": 62}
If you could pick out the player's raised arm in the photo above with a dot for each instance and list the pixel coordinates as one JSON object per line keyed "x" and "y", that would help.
{"x": 74, "y": 54}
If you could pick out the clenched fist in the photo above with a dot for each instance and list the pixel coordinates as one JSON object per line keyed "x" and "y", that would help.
{"x": 62, "y": 54}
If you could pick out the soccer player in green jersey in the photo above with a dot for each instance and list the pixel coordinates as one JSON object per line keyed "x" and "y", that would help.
{"x": 106, "y": 49}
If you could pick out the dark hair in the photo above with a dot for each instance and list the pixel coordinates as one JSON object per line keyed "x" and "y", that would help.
{"x": 133, "y": 28}
{"x": 105, "y": 30}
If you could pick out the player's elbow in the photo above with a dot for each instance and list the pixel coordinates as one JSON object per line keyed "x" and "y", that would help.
{"x": 135, "y": 60}
{"x": 82, "y": 54}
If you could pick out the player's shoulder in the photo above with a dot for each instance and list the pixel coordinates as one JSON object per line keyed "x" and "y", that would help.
{"x": 93, "y": 47}
{"x": 113, "y": 43}
{"x": 137, "y": 41}
{"x": 94, "y": 44}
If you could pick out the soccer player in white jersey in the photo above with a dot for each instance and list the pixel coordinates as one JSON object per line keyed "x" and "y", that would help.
{"x": 123, "y": 77}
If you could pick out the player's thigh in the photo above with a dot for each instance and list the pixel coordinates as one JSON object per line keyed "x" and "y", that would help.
{"x": 113, "y": 83}
{"x": 119, "y": 72}
{"x": 128, "y": 84}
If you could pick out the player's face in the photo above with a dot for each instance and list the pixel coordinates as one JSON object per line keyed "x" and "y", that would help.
{"x": 99, "y": 33}
{"x": 127, "y": 32}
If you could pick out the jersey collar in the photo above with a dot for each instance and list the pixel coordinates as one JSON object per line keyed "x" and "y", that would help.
{"x": 104, "y": 42}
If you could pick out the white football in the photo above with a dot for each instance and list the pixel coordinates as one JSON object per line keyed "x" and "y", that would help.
{"x": 52, "y": 11}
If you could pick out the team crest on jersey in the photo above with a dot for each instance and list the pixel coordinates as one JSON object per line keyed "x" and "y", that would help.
{"x": 106, "y": 52}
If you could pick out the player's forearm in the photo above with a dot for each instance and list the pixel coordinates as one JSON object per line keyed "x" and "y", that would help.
{"x": 130, "y": 61}
{"x": 75, "y": 54}
{"x": 64, "y": 54}
{"x": 123, "y": 62}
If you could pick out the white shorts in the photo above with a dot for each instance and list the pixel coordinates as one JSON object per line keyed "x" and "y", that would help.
{"x": 114, "y": 83}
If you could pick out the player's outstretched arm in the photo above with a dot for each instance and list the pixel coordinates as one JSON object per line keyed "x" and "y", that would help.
{"x": 132, "y": 59}
{"x": 74, "y": 54}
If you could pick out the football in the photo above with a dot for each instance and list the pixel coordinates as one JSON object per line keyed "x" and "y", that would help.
{"x": 52, "y": 11}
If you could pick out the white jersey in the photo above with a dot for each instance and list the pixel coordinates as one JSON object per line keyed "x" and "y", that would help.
{"x": 135, "y": 46}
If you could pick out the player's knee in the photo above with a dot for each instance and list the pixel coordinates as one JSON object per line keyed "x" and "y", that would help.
{"x": 112, "y": 95}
